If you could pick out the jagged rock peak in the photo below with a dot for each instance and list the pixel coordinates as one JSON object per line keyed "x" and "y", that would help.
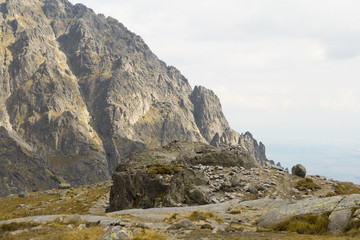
{"x": 82, "y": 91}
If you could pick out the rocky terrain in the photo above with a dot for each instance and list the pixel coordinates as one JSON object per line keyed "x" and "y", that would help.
{"x": 262, "y": 203}
{"x": 79, "y": 92}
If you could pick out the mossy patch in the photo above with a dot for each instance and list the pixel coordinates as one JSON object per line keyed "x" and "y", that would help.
{"x": 164, "y": 169}
{"x": 307, "y": 224}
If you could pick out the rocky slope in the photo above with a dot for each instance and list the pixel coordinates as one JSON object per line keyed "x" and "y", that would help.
{"x": 262, "y": 199}
{"x": 80, "y": 91}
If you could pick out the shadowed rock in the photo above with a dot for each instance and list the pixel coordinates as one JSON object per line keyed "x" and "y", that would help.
{"x": 298, "y": 170}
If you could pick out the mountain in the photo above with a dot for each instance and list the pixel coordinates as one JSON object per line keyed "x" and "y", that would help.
{"x": 79, "y": 92}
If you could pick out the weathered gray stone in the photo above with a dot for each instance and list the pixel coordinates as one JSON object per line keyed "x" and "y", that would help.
{"x": 221, "y": 228}
{"x": 64, "y": 186}
{"x": 24, "y": 194}
{"x": 298, "y": 170}
{"x": 184, "y": 224}
{"x": 339, "y": 220}
{"x": 206, "y": 226}
{"x": 116, "y": 233}
{"x": 349, "y": 202}
{"x": 314, "y": 206}
{"x": 70, "y": 219}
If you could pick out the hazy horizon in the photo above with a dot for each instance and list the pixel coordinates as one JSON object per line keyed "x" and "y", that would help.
{"x": 287, "y": 71}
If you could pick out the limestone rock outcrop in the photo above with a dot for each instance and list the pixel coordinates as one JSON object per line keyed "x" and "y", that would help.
{"x": 82, "y": 92}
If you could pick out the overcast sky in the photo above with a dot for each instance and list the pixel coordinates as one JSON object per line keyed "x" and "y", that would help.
{"x": 288, "y": 71}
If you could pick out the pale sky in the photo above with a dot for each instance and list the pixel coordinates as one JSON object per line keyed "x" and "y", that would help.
{"x": 287, "y": 71}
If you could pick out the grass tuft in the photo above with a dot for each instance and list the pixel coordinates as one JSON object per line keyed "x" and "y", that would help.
{"x": 306, "y": 184}
{"x": 204, "y": 215}
{"x": 149, "y": 235}
{"x": 163, "y": 169}
{"x": 307, "y": 224}
{"x": 345, "y": 188}
{"x": 235, "y": 211}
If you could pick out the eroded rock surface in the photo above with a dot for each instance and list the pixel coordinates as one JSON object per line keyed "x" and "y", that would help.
{"x": 339, "y": 208}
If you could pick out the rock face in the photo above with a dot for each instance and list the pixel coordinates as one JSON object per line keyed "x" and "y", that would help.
{"x": 166, "y": 176}
{"x": 20, "y": 169}
{"x": 340, "y": 208}
{"x": 298, "y": 170}
{"x": 82, "y": 91}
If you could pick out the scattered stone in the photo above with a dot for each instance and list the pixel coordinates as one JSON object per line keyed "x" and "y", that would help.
{"x": 221, "y": 228}
{"x": 206, "y": 226}
{"x": 140, "y": 225}
{"x": 72, "y": 219}
{"x": 64, "y": 186}
{"x": 24, "y": 206}
{"x": 116, "y": 233}
{"x": 41, "y": 203}
{"x": 298, "y": 170}
{"x": 183, "y": 224}
{"x": 23, "y": 194}
{"x": 214, "y": 199}
{"x": 252, "y": 190}
{"x": 51, "y": 192}
{"x": 81, "y": 226}
{"x": 63, "y": 192}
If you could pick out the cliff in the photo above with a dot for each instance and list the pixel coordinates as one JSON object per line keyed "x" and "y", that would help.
{"x": 80, "y": 92}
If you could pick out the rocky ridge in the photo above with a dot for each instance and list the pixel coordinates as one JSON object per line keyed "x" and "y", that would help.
{"x": 80, "y": 92}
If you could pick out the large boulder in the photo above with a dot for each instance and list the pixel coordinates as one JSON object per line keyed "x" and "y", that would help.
{"x": 339, "y": 220}
{"x": 298, "y": 170}
{"x": 339, "y": 208}
{"x": 166, "y": 176}
{"x": 316, "y": 206}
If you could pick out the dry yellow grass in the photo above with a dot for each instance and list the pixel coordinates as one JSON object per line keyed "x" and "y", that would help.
{"x": 345, "y": 188}
{"x": 305, "y": 184}
{"x": 76, "y": 201}
{"x": 149, "y": 235}
{"x": 55, "y": 231}
{"x": 308, "y": 224}
{"x": 163, "y": 169}
{"x": 204, "y": 215}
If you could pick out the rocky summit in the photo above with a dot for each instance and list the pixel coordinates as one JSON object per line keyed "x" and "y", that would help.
{"x": 79, "y": 92}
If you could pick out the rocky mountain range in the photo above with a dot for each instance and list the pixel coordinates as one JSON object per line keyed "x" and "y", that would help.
{"x": 79, "y": 92}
